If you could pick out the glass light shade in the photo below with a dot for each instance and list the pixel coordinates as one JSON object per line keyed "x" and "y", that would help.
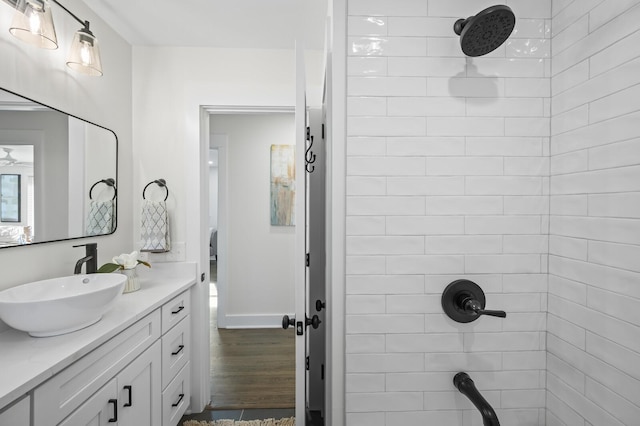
{"x": 33, "y": 23}
{"x": 84, "y": 56}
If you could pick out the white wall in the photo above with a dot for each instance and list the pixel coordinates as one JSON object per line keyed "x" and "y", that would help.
{"x": 43, "y": 76}
{"x": 260, "y": 278}
{"x": 447, "y": 178}
{"x": 593, "y": 325}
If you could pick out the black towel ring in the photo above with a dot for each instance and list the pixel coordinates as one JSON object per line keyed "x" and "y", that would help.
{"x": 161, "y": 183}
{"x": 109, "y": 182}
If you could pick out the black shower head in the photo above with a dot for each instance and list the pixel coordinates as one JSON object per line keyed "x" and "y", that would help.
{"x": 486, "y": 31}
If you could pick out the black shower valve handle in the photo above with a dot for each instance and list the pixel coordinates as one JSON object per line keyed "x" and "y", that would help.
{"x": 471, "y": 305}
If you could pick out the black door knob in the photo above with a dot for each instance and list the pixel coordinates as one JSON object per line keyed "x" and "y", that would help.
{"x": 319, "y": 305}
{"x": 314, "y": 322}
{"x": 286, "y": 321}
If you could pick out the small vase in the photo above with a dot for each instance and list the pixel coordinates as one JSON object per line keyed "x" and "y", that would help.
{"x": 133, "y": 283}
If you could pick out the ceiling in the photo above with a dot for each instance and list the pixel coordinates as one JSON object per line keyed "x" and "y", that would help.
{"x": 264, "y": 24}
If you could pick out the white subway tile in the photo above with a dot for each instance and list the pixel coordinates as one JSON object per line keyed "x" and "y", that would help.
{"x": 384, "y": 245}
{"x": 571, "y": 290}
{"x": 566, "y": 331}
{"x": 388, "y": 401}
{"x": 505, "y": 107}
{"x": 414, "y": 304}
{"x": 423, "y": 225}
{"x": 608, "y": 10}
{"x": 365, "y": 304}
{"x": 507, "y": 185}
{"x": 527, "y": 87}
{"x": 441, "y": 417}
{"x": 571, "y": 162}
{"x": 489, "y": 282}
{"x": 426, "y": 67}
{"x": 526, "y": 166}
{"x": 364, "y": 383}
{"x": 387, "y": 7}
{"x": 431, "y": 185}
{"x": 367, "y": 25}
{"x": 566, "y": 372}
{"x": 384, "y": 206}
{"x": 366, "y": 419}
{"x": 408, "y": 382}
{"x": 616, "y": 305}
{"x": 570, "y": 120}
{"x": 623, "y": 205}
{"x": 410, "y": 343}
{"x": 615, "y": 55}
{"x": 615, "y": 355}
{"x": 569, "y": 78}
{"x": 574, "y": 248}
{"x": 526, "y": 243}
{"x": 465, "y": 244}
{"x": 386, "y": 126}
{"x": 430, "y": 264}
{"x": 425, "y": 146}
{"x": 457, "y": 9}
{"x": 526, "y": 360}
{"x": 375, "y": 324}
{"x": 622, "y": 256}
{"x": 506, "y": 380}
{"x": 358, "y": 185}
{"x": 365, "y": 343}
{"x": 386, "y": 166}
{"x": 359, "y": 106}
{"x": 571, "y": 14}
{"x": 387, "y": 86}
{"x": 385, "y": 284}
{"x": 464, "y": 205}
{"x": 565, "y": 414}
{"x": 570, "y": 35}
{"x": 454, "y": 400}
{"x": 524, "y": 321}
{"x": 528, "y": 48}
{"x": 615, "y": 105}
{"x": 525, "y": 283}
{"x": 506, "y": 146}
{"x": 526, "y": 9}
{"x": 501, "y": 225}
{"x": 466, "y": 166}
{"x": 419, "y": 106}
{"x": 621, "y": 179}
{"x": 365, "y": 265}
{"x": 465, "y": 87}
{"x": 569, "y": 205}
{"x": 419, "y": 26}
{"x": 386, "y": 46}
{"x": 523, "y": 398}
{"x": 531, "y": 28}
{"x": 506, "y": 264}
{"x": 363, "y": 146}
{"x": 529, "y": 205}
{"x": 619, "y": 154}
{"x": 460, "y": 361}
{"x": 506, "y": 67}
{"x": 526, "y": 126}
{"x": 615, "y": 405}
{"x": 366, "y": 66}
{"x": 365, "y": 225}
{"x": 441, "y": 323}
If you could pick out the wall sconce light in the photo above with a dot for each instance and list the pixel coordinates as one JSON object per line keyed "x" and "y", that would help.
{"x": 33, "y": 24}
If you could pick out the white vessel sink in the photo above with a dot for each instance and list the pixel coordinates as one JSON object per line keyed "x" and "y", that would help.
{"x": 60, "y": 305}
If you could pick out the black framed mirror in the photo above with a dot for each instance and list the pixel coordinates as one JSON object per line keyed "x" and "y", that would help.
{"x": 64, "y": 174}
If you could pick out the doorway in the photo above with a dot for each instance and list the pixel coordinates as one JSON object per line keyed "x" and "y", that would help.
{"x": 252, "y": 357}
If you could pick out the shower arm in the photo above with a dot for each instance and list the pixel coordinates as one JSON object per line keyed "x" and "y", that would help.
{"x": 465, "y": 385}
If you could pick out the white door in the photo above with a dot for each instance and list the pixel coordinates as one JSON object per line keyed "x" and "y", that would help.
{"x": 301, "y": 239}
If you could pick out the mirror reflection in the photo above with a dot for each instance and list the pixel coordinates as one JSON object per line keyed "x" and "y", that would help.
{"x": 58, "y": 174}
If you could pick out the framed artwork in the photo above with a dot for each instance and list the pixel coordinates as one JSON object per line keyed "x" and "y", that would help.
{"x": 283, "y": 185}
{"x": 10, "y": 198}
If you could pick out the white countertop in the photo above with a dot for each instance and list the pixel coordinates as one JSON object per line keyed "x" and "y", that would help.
{"x": 26, "y": 362}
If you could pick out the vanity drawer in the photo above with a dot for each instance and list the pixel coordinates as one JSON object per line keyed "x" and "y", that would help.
{"x": 175, "y": 310}
{"x": 67, "y": 390}
{"x": 176, "y": 397}
{"x": 176, "y": 350}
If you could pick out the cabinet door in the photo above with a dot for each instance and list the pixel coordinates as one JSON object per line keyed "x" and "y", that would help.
{"x": 139, "y": 392}
{"x": 17, "y": 414}
{"x": 99, "y": 410}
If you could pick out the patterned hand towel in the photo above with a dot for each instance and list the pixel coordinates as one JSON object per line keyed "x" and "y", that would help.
{"x": 101, "y": 218}
{"x": 155, "y": 227}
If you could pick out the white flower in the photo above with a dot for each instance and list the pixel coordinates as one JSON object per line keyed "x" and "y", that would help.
{"x": 127, "y": 261}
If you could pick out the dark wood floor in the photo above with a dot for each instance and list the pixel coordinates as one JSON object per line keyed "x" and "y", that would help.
{"x": 251, "y": 368}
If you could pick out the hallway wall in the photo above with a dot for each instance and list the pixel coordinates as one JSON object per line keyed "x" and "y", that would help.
{"x": 447, "y": 178}
{"x": 593, "y": 324}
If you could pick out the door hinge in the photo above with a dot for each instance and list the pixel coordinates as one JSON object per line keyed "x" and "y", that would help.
{"x": 308, "y": 259}
{"x": 307, "y": 363}
{"x": 322, "y": 372}
{"x": 323, "y": 131}
{"x": 308, "y": 133}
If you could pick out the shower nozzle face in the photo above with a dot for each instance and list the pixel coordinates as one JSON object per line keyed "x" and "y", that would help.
{"x": 485, "y": 32}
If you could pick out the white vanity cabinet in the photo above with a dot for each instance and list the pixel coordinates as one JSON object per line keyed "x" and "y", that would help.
{"x": 130, "y": 380}
{"x": 17, "y": 413}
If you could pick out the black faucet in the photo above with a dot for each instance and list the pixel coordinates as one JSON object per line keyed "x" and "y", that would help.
{"x": 465, "y": 385}
{"x": 91, "y": 259}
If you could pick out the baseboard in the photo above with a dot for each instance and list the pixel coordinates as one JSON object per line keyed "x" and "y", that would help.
{"x": 254, "y": 321}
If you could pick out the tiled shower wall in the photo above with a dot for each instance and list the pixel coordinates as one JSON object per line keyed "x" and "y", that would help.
{"x": 594, "y": 264}
{"x": 447, "y": 178}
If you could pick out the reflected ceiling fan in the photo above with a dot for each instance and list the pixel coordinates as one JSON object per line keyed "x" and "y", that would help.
{"x": 9, "y": 160}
